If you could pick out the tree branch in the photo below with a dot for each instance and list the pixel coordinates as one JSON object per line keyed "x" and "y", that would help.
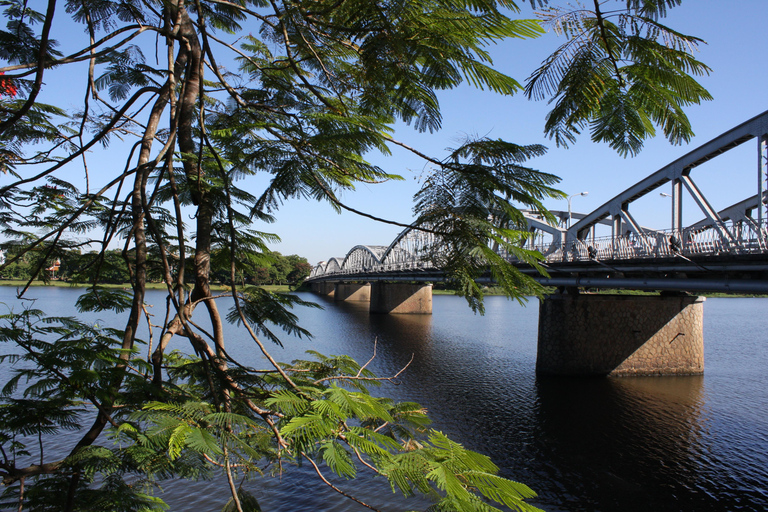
{"x": 41, "y": 61}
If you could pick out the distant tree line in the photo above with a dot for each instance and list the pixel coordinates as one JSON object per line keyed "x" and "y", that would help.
{"x": 273, "y": 268}
{"x": 269, "y": 268}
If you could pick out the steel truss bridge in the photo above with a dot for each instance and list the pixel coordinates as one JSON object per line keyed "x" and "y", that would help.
{"x": 726, "y": 251}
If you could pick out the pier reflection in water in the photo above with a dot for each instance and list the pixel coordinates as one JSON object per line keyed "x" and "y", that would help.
{"x": 622, "y": 444}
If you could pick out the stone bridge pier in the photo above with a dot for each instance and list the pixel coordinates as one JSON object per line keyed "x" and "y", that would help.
{"x": 620, "y": 335}
{"x": 352, "y": 292}
{"x": 384, "y": 297}
{"x": 401, "y": 298}
{"x": 327, "y": 288}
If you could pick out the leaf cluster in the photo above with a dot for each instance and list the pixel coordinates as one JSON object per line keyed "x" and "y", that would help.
{"x": 472, "y": 204}
{"x": 620, "y": 74}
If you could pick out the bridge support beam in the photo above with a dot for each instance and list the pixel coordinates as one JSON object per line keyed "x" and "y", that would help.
{"x": 401, "y": 298}
{"x": 352, "y": 292}
{"x": 326, "y": 288}
{"x": 620, "y": 335}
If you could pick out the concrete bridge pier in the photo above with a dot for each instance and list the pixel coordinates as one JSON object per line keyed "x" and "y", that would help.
{"x": 327, "y": 288}
{"x": 620, "y": 335}
{"x": 401, "y": 298}
{"x": 352, "y": 292}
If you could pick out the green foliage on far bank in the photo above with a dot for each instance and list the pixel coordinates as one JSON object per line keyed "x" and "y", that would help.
{"x": 74, "y": 267}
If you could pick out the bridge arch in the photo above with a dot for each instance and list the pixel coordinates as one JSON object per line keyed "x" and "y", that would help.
{"x": 678, "y": 173}
{"x": 537, "y": 222}
{"x": 735, "y": 230}
{"x": 410, "y": 246}
{"x": 414, "y": 246}
{"x": 363, "y": 257}
{"x": 334, "y": 265}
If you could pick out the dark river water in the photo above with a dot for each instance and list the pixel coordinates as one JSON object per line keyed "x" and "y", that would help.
{"x": 619, "y": 445}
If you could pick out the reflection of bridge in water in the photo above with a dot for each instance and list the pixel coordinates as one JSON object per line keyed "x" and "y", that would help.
{"x": 725, "y": 251}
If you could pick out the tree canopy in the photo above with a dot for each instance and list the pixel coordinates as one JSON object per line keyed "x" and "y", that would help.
{"x": 213, "y": 114}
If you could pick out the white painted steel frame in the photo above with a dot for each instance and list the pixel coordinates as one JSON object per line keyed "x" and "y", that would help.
{"x": 734, "y": 230}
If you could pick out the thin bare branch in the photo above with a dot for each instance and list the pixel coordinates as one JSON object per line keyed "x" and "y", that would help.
{"x": 329, "y": 484}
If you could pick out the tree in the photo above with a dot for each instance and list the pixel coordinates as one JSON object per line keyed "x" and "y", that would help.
{"x": 298, "y": 91}
{"x": 279, "y": 269}
{"x": 113, "y": 270}
{"x": 300, "y": 269}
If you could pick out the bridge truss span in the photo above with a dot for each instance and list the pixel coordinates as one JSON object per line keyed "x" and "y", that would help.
{"x": 724, "y": 245}
{"x": 680, "y": 175}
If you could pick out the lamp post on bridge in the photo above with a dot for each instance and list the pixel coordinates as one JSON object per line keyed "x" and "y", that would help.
{"x": 569, "y": 205}
{"x": 664, "y": 194}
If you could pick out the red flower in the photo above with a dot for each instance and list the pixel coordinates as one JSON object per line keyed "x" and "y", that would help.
{"x": 7, "y": 87}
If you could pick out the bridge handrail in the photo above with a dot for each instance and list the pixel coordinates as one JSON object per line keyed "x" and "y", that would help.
{"x": 690, "y": 242}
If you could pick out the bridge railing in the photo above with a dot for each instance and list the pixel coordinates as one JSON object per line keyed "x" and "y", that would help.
{"x": 400, "y": 266}
{"x": 741, "y": 237}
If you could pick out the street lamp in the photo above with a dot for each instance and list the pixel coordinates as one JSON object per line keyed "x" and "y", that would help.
{"x": 569, "y": 205}
{"x": 664, "y": 194}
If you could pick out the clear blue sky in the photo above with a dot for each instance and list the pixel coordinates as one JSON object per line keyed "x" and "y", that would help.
{"x": 736, "y": 37}
{"x": 736, "y": 40}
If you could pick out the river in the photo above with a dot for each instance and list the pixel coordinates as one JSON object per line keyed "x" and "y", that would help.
{"x": 627, "y": 444}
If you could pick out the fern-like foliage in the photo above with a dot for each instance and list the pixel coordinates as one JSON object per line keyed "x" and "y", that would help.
{"x": 620, "y": 74}
{"x": 472, "y": 203}
{"x": 462, "y": 479}
{"x": 264, "y": 310}
{"x": 63, "y": 369}
{"x": 327, "y": 416}
{"x": 351, "y": 429}
{"x": 344, "y": 429}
